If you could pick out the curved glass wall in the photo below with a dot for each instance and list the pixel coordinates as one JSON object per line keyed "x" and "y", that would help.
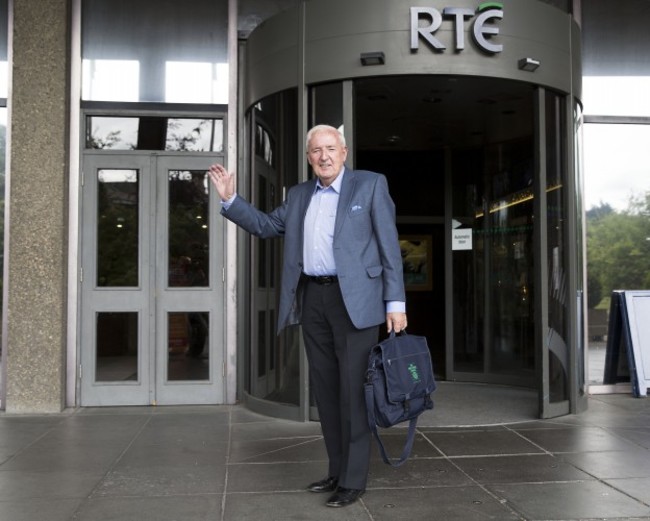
{"x": 482, "y": 273}
{"x": 459, "y": 156}
{"x": 271, "y": 361}
{"x": 559, "y": 296}
{"x": 580, "y": 248}
{"x": 494, "y": 279}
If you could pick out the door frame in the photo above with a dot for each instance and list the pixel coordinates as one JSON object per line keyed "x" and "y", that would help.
{"x": 151, "y": 387}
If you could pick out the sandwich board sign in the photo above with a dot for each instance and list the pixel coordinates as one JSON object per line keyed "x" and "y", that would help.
{"x": 628, "y": 330}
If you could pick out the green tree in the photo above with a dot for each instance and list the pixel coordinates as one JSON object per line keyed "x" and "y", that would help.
{"x": 618, "y": 247}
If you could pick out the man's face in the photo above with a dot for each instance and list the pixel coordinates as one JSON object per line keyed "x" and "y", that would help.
{"x": 326, "y": 155}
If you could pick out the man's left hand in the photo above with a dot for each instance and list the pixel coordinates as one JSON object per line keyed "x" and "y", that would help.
{"x": 396, "y": 321}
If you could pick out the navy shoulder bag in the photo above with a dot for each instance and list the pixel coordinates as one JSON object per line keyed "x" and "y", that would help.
{"x": 399, "y": 382}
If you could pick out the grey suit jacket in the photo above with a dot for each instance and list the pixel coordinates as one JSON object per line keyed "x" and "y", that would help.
{"x": 366, "y": 248}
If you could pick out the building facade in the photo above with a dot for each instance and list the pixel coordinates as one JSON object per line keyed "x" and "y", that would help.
{"x": 124, "y": 286}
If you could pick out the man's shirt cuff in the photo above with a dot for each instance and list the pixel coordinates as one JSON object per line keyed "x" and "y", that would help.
{"x": 226, "y": 204}
{"x": 395, "y": 306}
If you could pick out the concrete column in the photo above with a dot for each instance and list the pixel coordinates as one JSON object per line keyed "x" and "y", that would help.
{"x": 37, "y": 206}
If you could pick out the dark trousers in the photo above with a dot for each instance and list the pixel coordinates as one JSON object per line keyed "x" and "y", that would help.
{"x": 338, "y": 358}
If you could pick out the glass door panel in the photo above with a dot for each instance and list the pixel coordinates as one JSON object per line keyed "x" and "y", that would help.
{"x": 493, "y": 270}
{"x": 115, "y": 269}
{"x": 188, "y": 356}
{"x": 265, "y": 253}
{"x": 116, "y": 347}
{"x": 118, "y": 230}
{"x": 557, "y": 358}
{"x": 189, "y": 252}
{"x": 187, "y": 238}
{"x": 468, "y": 262}
{"x": 273, "y": 362}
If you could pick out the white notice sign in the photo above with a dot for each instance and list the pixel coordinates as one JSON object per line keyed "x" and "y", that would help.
{"x": 461, "y": 239}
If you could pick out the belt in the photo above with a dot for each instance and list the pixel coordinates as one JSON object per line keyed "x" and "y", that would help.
{"x": 323, "y": 280}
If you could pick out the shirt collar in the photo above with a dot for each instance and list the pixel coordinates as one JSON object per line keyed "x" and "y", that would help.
{"x": 336, "y": 184}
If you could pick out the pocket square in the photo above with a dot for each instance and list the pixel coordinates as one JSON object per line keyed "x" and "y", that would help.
{"x": 356, "y": 208}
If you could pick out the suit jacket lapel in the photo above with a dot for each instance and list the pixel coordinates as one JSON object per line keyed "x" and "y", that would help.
{"x": 347, "y": 189}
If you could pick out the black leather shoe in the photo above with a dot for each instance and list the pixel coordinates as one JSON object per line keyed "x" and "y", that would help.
{"x": 344, "y": 497}
{"x": 324, "y": 485}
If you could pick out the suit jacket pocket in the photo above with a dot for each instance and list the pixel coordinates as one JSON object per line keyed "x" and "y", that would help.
{"x": 374, "y": 271}
{"x": 357, "y": 209}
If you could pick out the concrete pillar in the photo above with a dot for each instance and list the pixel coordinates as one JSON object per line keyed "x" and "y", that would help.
{"x": 37, "y": 206}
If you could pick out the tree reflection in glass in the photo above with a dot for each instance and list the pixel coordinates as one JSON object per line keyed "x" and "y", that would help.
{"x": 117, "y": 227}
{"x": 189, "y": 244}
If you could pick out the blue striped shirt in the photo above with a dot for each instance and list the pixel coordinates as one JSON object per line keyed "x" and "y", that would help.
{"x": 317, "y": 252}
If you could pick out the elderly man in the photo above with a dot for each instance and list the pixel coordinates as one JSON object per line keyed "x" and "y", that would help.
{"x": 341, "y": 278}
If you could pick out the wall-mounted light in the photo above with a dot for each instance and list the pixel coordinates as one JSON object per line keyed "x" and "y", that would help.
{"x": 372, "y": 58}
{"x": 528, "y": 64}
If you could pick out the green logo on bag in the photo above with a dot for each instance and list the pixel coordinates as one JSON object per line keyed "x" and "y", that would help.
{"x": 413, "y": 369}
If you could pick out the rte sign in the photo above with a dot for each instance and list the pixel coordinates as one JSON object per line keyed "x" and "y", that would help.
{"x": 482, "y": 27}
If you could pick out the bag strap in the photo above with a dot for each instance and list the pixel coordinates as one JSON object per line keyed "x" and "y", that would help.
{"x": 372, "y": 423}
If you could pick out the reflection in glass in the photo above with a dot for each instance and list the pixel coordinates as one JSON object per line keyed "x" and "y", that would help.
{"x": 118, "y": 205}
{"x": 580, "y": 252}
{"x": 275, "y": 253}
{"x": 326, "y": 103}
{"x": 107, "y": 133}
{"x": 273, "y": 341}
{"x": 261, "y": 343}
{"x": 273, "y": 362}
{"x": 493, "y": 282}
{"x": 188, "y": 346}
{"x": 264, "y": 145}
{"x": 558, "y": 297}
{"x": 154, "y": 133}
{"x": 510, "y": 284}
{"x": 194, "y": 135}
{"x": 189, "y": 244}
{"x": 194, "y": 82}
{"x": 469, "y": 265}
{"x": 110, "y": 80}
{"x": 157, "y": 36}
{"x": 261, "y": 244}
{"x": 117, "y": 347}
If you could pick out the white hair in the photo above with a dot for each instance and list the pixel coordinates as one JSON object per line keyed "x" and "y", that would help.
{"x": 324, "y": 128}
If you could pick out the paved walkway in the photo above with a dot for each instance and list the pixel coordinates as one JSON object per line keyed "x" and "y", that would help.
{"x": 226, "y": 463}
